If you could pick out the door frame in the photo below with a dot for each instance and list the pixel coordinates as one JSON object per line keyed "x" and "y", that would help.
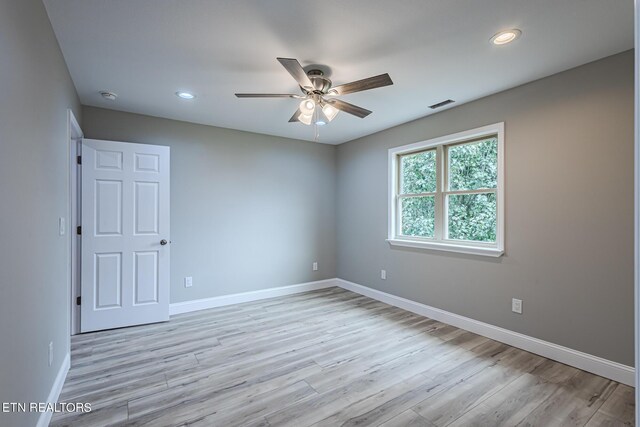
{"x": 74, "y": 141}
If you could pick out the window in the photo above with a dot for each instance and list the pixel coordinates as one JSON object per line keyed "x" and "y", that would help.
{"x": 447, "y": 193}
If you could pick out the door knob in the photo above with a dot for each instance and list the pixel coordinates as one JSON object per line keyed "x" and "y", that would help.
{"x": 163, "y": 242}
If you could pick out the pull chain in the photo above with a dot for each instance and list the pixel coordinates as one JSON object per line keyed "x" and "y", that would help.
{"x": 315, "y": 124}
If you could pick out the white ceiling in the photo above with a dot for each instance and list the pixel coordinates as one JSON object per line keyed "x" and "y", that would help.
{"x": 146, "y": 50}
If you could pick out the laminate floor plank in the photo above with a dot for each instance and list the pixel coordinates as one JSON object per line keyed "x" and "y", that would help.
{"x": 154, "y": 366}
{"x": 451, "y": 367}
{"x": 339, "y": 341}
{"x": 574, "y": 403}
{"x": 110, "y": 415}
{"x": 602, "y": 420}
{"x": 325, "y": 358}
{"x": 510, "y": 405}
{"x": 86, "y": 388}
{"x": 212, "y": 394}
{"x": 407, "y": 419}
{"x": 200, "y": 400}
{"x": 247, "y": 413}
{"x": 221, "y": 313}
{"x": 618, "y": 409}
{"x": 444, "y": 408}
{"x": 399, "y": 370}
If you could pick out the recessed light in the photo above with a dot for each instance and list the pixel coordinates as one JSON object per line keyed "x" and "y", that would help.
{"x": 507, "y": 36}
{"x": 108, "y": 95}
{"x": 185, "y": 95}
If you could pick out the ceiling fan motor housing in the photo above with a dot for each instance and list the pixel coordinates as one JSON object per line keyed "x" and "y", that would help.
{"x": 321, "y": 84}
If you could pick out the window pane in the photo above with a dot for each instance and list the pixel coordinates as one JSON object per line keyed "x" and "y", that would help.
{"x": 418, "y": 173}
{"x": 472, "y": 217}
{"x": 418, "y": 216}
{"x": 473, "y": 166}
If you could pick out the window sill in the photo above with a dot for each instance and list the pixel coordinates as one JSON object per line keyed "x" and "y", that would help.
{"x": 448, "y": 247}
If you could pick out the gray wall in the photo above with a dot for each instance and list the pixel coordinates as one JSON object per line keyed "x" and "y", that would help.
{"x": 569, "y": 213}
{"x": 34, "y": 308}
{"x": 248, "y": 211}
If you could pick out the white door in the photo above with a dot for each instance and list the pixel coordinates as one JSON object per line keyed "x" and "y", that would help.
{"x": 125, "y": 234}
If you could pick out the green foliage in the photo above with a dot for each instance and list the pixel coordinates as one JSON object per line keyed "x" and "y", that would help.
{"x": 470, "y": 216}
{"x": 418, "y": 173}
{"x": 474, "y": 166}
{"x": 418, "y": 216}
{"x": 471, "y": 167}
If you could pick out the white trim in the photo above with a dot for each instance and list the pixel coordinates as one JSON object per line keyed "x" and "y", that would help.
{"x": 75, "y": 131}
{"x": 587, "y": 362}
{"x": 440, "y": 243}
{"x": 74, "y": 136}
{"x": 471, "y": 250}
{"x": 54, "y": 394}
{"x": 450, "y": 139}
{"x": 203, "y": 304}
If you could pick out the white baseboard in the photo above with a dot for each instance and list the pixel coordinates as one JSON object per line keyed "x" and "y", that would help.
{"x": 54, "y": 394}
{"x": 587, "y": 362}
{"x": 202, "y": 304}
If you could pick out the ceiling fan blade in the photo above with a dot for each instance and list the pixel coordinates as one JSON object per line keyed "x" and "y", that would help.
{"x": 295, "y": 116}
{"x": 297, "y": 72}
{"x": 266, "y": 95}
{"x": 364, "y": 84}
{"x": 349, "y": 108}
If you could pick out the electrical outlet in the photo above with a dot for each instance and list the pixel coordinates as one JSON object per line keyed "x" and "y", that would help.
{"x": 62, "y": 228}
{"x": 315, "y": 266}
{"x": 188, "y": 282}
{"x": 383, "y": 274}
{"x": 516, "y": 305}
{"x": 51, "y": 353}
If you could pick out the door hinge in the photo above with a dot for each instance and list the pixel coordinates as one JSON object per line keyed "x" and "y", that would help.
{"x": 79, "y": 230}
{"x": 78, "y": 300}
{"x": 79, "y": 160}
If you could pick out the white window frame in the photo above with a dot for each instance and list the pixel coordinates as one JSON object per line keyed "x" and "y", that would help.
{"x": 493, "y": 249}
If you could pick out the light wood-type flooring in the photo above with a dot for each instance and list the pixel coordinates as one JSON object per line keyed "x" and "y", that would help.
{"x": 325, "y": 358}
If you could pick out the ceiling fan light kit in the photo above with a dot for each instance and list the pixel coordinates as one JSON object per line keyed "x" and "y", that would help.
{"x": 330, "y": 111}
{"x": 307, "y": 106}
{"x": 304, "y": 118}
{"x": 314, "y": 108}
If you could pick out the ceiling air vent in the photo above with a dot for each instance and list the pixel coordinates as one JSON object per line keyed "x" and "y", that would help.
{"x": 441, "y": 104}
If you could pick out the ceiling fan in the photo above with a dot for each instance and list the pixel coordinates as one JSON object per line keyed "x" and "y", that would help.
{"x": 318, "y": 104}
